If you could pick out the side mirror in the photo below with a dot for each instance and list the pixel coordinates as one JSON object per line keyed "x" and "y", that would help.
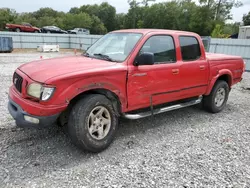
{"x": 145, "y": 58}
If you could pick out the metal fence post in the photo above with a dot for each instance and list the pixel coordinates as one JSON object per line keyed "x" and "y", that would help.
{"x": 215, "y": 49}
{"x": 21, "y": 43}
{"x": 43, "y": 39}
{"x": 70, "y": 42}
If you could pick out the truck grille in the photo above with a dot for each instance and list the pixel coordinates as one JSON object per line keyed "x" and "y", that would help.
{"x": 18, "y": 80}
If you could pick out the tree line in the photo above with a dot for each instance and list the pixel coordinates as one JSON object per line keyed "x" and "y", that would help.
{"x": 207, "y": 17}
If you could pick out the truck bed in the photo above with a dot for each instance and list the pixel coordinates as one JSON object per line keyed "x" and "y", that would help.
{"x": 214, "y": 57}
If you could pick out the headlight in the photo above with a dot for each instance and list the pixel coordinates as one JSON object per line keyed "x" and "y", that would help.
{"x": 41, "y": 92}
{"x": 34, "y": 90}
{"x": 46, "y": 93}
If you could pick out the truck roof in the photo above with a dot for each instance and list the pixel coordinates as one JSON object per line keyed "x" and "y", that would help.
{"x": 146, "y": 31}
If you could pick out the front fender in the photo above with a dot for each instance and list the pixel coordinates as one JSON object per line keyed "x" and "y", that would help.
{"x": 68, "y": 89}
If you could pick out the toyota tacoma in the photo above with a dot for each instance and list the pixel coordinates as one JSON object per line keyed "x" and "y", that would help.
{"x": 127, "y": 73}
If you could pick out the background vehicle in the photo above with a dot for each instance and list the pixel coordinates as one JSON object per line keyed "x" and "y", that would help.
{"x": 24, "y": 27}
{"x": 79, "y": 31}
{"x": 131, "y": 73}
{"x": 52, "y": 29}
{"x": 244, "y": 32}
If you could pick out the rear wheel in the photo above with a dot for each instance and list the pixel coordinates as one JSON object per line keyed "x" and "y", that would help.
{"x": 93, "y": 123}
{"x": 48, "y": 32}
{"x": 18, "y": 30}
{"x": 216, "y": 101}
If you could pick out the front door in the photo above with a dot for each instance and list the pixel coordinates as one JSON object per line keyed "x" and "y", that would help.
{"x": 157, "y": 83}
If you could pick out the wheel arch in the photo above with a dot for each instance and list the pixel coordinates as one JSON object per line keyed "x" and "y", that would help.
{"x": 224, "y": 75}
{"x": 113, "y": 97}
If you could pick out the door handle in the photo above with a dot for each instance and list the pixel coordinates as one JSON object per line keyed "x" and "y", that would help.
{"x": 202, "y": 67}
{"x": 139, "y": 74}
{"x": 175, "y": 71}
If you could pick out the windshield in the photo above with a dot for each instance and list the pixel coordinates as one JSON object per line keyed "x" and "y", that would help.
{"x": 114, "y": 46}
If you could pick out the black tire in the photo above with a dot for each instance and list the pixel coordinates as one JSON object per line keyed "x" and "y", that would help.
{"x": 78, "y": 124}
{"x": 209, "y": 102}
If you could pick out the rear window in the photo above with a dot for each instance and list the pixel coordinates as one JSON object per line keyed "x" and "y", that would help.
{"x": 190, "y": 48}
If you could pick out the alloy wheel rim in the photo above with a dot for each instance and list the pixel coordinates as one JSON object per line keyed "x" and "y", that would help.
{"x": 220, "y": 97}
{"x": 99, "y": 122}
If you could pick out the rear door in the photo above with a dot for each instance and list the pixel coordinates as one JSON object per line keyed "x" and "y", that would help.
{"x": 194, "y": 69}
{"x": 157, "y": 83}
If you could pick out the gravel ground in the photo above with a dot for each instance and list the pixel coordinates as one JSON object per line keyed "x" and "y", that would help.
{"x": 182, "y": 148}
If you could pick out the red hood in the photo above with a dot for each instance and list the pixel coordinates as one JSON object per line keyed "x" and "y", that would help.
{"x": 45, "y": 69}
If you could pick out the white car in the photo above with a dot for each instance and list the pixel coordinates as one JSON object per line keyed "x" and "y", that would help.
{"x": 79, "y": 31}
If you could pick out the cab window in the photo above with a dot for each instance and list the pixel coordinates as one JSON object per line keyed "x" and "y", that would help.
{"x": 163, "y": 48}
{"x": 190, "y": 48}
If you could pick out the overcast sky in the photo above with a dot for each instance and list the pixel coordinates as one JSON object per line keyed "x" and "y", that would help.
{"x": 121, "y": 5}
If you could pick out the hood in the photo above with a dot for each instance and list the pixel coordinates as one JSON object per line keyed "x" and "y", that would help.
{"x": 43, "y": 70}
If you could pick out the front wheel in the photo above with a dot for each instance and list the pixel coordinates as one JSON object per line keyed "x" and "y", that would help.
{"x": 93, "y": 123}
{"x": 216, "y": 101}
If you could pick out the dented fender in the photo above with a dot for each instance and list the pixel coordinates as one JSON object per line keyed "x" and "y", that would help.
{"x": 115, "y": 83}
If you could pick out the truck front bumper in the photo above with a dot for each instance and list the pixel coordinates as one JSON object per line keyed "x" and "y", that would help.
{"x": 32, "y": 114}
{"x": 24, "y": 119}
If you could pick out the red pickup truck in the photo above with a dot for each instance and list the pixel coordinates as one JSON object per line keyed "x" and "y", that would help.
{"x": 128, "y": 73}
{"x": 24, "y": 27}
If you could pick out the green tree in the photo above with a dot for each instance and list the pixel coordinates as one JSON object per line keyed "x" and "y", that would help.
{"x": 201, "y": 21}
{"x": 97, "y": 26}
{"x": 246, "y": 19}
{"x": 120, "y": 21}
{"x": 221, "y": 9}
{"x": 217, "y": 32}
{"x": 134, "y": 15}
{"x": 45, "y": 12}
{"x": 26, "y": 17}
{"x": 82, "y": 20}
{"x": 145, "y": 2}
{"x": 46, "y": 21}
{"x": 74, "y": 10}
{"x": 105, "y": 12}
{"x": 231, "y": 28}
{"x": 7, "y": 16}
{"x": 162, "y": 15}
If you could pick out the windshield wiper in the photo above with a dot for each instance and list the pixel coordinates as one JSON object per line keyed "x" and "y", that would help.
{"x": 106, "y": 57}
